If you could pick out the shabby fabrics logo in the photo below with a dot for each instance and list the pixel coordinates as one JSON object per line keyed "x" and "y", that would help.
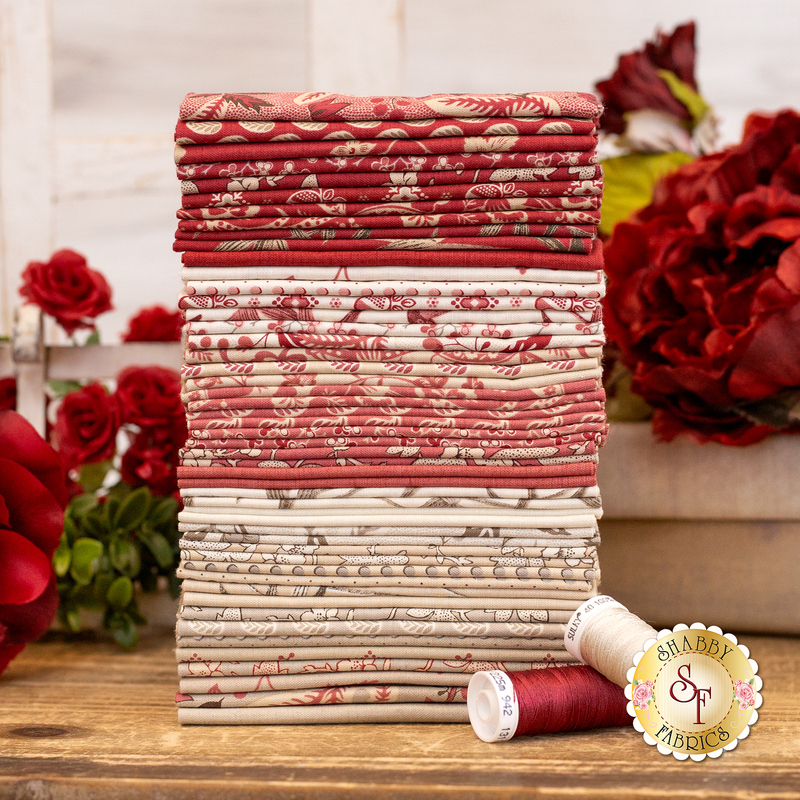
{"x": 694, "y": 692}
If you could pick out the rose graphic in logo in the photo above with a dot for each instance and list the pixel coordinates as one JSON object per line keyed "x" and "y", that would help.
{"x": 642, "y": 694}
{"x": 744, "y": 692}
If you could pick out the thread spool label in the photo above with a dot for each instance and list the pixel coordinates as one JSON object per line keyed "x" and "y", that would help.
{"x": 694, "y": 692}
{"x": 493, "y": 707}
{"x": 582, "y": 614}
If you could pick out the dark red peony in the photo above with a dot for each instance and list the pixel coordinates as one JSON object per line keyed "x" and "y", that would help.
{"x": 86, "y": 426}
{"x": 154, "y": 324}
{"x": 33, "y": 496}
{"x": 8, "y": 393}
{"x": 637, "y": 83}
{"x": 704, "y": 290}
{"x": 149, "y": 396}
{"x": 67, "y": 289}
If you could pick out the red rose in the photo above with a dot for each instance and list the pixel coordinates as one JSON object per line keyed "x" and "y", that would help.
{"x": 86, "y": 426}
{"x": 33, "y": 496}
{"x": 637, "y": 85}
{"x": 8, "y": 393}
{"x": 154, "y": 324}
{"x": 704, "y": 289}
{"x": 149, "y": 396}
{"x": 152, "y": 459}
{"x": 67, "y": 289}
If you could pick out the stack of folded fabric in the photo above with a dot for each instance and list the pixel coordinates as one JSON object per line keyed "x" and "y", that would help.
{"x": 392, "y": 382}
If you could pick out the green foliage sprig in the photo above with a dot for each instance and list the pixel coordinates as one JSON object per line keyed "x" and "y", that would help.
{"x": 109, "y": 545}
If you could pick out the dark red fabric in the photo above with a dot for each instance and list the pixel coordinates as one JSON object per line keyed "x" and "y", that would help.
{"x": 537, "y": 223}
{"x": 448, "y": 177}
{"x": 391, "y": 194}
{"x": 215, "y": 153}
{"x": 463, "y": 231}
{"x": 519, "y": 259}
{"x": 529, "y": 243}
{"x": 453, "y": 162}
{"x": 211, "y": 132}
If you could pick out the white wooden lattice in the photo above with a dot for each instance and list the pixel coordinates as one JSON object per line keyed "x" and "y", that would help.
{"x": 353, "y": 46}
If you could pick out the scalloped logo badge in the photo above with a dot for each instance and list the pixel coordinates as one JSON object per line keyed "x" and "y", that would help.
{"x": 693, "y": 692}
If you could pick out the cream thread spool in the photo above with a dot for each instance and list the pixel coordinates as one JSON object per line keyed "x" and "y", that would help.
{"x": 605, "y": 635}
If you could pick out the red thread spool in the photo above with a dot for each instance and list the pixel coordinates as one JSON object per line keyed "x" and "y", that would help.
{"x": 552, "y": 700}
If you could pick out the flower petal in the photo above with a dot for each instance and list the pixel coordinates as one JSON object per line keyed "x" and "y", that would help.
{"x": 24, "y": 569}
{"x": 33, "y": 512}
{"x": 26, "y": 622}
{"x": 20, "y": 442}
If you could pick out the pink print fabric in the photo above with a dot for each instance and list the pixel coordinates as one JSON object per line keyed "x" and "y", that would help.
{"x": 392, "y": 382}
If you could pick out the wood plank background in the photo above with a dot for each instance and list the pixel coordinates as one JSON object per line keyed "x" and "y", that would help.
{"x": 94, "y": 722}
{"x": 119, "y": 71}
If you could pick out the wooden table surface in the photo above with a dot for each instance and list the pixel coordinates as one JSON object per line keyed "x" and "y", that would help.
{"x": 85, "y": 720}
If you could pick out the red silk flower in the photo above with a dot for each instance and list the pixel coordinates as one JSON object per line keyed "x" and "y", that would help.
{"x": 33, "y": 496}
{"x": 704, "y": 289}
{"x": 154, "y": 324}
{"x": 153, "y": 456}
{"x": 86, "y": 426}
{"x": 149, "y": 396}
{"x": 637, "y": 85}
{"x": 67, "y": 289}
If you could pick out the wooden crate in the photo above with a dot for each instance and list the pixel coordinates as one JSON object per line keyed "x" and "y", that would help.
{"x": 702, "y": 533}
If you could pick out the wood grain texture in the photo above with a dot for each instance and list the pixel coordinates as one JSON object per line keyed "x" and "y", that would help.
{"x": 741, "y": 575}
{"x": 26, "y": 121}
{"x": 684, "y": 480}
{"x": 84, "y": 720}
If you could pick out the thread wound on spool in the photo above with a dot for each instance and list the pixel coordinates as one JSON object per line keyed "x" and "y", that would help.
{"x": 553, "y": 700}
{"x": 605, "y": 635}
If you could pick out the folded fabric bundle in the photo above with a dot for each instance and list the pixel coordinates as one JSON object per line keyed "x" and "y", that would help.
{"x": 392, "y": 381}
{"x": 518, "y": 163}
{"x": 334, "y": 180}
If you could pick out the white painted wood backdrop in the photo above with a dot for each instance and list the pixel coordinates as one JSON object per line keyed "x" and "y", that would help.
{"x": 88, "y": 164}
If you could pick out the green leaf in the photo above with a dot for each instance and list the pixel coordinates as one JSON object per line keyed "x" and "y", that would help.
{"x": 62, "y": 556}
{"x": 158, "y": 546}
{"x": 70, "y": 529}
{"x": 133, "y": 509}
{"x": 124, "y": 630}
{"x": 119, "y": 490}
{"x": 125, "y": 556}
{"x": 137, "y": 616}
{"x": 95, "y": 527}
{"x": 81, "y": 505}
{"x": 93, "y": 338}
{"x": 629, "y": 182}
{"x": 164, "y": 510}
{"x": 102, "y": 583}
{"x": 91, "y": 476}
{"x": 72, "y": 618}
{"x": 85, "y": 560}
{"x": 779, "y": 411}
{"x": 60, "y": 388}
{"x": 684, "y": 94}
{"x": 85, "y": 597}
{"x": 110, "y": 511}
{"x": 120, "y": 593}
